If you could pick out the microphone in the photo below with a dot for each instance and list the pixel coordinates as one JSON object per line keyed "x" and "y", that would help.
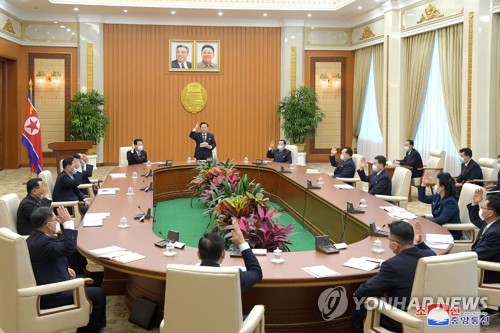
{"x": 162, "y": 243}
{"x": 140, "y": 217}
{"x": 374, "y": 231}
{"x": 145, "y": 188}
{"x": 162, "y": 235}
{"x": 150, "y": 187}
{"x": 141, "y": 209}
{"x": 310, "y": 186}
{"x": 283, "y": 170}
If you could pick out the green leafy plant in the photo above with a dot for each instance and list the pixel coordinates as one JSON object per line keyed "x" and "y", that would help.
{"x": 88, "y": 120}
{"x": 301, "y": 114}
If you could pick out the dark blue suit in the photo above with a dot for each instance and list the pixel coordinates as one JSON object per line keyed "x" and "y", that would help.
{"x": 380, "y": 183}
{"x": 253, "y": 273}
{"x": 66, "y": 189}
{"x": 394, "y": 281}
{"x": 487, "y": 244}
{"x": 175, "y": 64}
{"x": 136, "y": 157}
{"x": 413, "y": 159}
{"x": 343, "y": 169}
{"x": 284, "y": 156}
{"x": 470, "y": 171}
{"x": 444, "y": 210}
{"x": 48, "y": 259}
{"x": 497, "y": 186}
{"x": 26, "y": 207}
{"x": 200, "y": 153}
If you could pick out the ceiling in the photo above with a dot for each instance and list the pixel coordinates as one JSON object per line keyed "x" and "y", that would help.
{"x": 170, "y": 12}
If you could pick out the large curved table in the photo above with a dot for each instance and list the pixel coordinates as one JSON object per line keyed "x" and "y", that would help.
{"x": 289, "y": 294}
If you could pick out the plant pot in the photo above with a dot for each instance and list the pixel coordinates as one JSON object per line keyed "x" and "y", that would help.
{"x": 301, "y": 147}
{"x": 92, "y": 150}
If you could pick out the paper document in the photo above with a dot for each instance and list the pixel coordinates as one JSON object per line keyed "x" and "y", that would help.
{"x": 107, "y": 191}
{"x": 107, "y": 250}
{"x": 204, "y": 144}
{"x": 362, "y": 264}
{"x": 439, "y": 246}
{"x": 259, "y": 252}
{"x": 118, "y": 175}
{"x": 127, "y": 257}
{"x": 312, "y": 171}
{"x": 94, "y": 219}
{"x": 320, "y": 271}
{"x": 399, "y": 213}
{"x": 344, "y": 187}
{"x": 439, "y": 238}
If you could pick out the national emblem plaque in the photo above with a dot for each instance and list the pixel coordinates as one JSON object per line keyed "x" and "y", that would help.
{"x": 194, "y": 97}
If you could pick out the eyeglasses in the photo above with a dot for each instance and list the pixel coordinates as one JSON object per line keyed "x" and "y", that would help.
{"x": 393, "y": 240}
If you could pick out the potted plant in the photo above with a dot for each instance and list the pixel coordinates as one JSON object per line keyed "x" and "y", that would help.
{"x": 88, "y": 120}
{"x": 301, "y": 115}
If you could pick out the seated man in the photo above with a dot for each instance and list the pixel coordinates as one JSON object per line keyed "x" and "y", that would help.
{"x": 486, "y": 218}
{"x": 470, "y": 169}
{"x": 137, "y": 155}
{"x": 48, "y": 259}
{"x": 38, "y": 196}
{"x": 66, "y": 186}
{"x": 413, "y": 159}
{"x": 81, "y": 165}
{"x": 380, "y": 182}
{"x": 495, "y": 189}
{"x": 281, "y": 154}
{"x": 211, "y": 253}
{"x": 396, "y": 275}
{"x": 345, "y": 168}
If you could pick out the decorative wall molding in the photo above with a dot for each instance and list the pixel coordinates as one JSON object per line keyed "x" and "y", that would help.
{"x": 432, "y": 14}
{"x": 367, "y": 33}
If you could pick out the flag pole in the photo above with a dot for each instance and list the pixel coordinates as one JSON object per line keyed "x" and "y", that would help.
{"x": 29, "y": 158}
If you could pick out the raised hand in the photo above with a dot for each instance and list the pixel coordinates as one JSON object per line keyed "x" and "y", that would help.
{"x": 271, "y": 144}
{"x": 63, "y": 214}
{"x": 418, "y": 232}
{"x": 426, "y": 178}
{"x": 238, "y": 238}
{"x": 197, "y": 125}
{"x": 477, "y": 197}
{"x": 45, "y": 189}
{"x": 333, "y": 151}
{"x": 362, "y": 163}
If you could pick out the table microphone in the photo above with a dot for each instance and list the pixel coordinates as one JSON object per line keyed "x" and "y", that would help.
{"x": 140, "y": 217}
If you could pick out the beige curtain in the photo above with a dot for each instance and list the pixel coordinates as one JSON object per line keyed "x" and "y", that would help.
{"x": 450, "y": 61}
{"x": 378, "y": 75}
{"x": 498, "y": 90}
{"x": 417, "y": 59}
{"x": 362, "y": 59}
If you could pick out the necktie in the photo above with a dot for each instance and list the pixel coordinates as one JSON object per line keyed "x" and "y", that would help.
{"x": 204, "y": 137}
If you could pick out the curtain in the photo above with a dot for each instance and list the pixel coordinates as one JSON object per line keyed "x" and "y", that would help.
{"x": 362, "y": 58}
{"x": 417, "y": 57}
{"x": 450, "y": 60}
{"x": 498, "y": 89}
{"x": 378, "y": 75}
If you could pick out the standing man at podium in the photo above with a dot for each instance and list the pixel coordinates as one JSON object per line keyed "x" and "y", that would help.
{"x": 205, "y": 142}
{"x": 137, "y": 155}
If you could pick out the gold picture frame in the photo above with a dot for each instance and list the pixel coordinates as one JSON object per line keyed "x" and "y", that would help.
{"x": 181, "y": 56}
{"x": 194, "y": 55}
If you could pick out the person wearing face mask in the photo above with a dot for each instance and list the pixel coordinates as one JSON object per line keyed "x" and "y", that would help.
{"x": 137, "y": 155}
{"x": 469, "y": 170}
{"x": 487, "y": 218}
{"x": 66, "y": 186}
{"x": 38, "y": 196}
{"x": 82, "y": 165}
{"x": 380, "y": 182}
{"x": 444, "y": 206}
{"x": 412, "y": 158}
{"x": 48, "y": 255}
{"x": 205, "y": 142}
{"x": 396, "y": 275}
{"x": 495, "y": 189}
{"x": 281, "y": 154}
{"x": 344, "y": 168}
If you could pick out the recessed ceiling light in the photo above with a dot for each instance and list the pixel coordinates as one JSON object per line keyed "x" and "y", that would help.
{"x": 172, "y": 12}
{"x": 360, "y": 7}
{"x": 125, "y": 10}
{"x": 84, "y": 39}
{"x": 312, "y": 28}
{"x": 73, "y": 33}
{"x": 220, "y": 13}
{"x": 75, "y": 9}
{"x": 292, "y": 37}
{"x": 264, "y": 14}
{"x": 309, "y": 15}
{"x": 55, "y": 22}
{"x": 68, "y": 30}
{"x": 63, "y": 26}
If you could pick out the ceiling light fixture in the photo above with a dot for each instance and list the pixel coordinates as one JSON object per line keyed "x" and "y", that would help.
{"x": 172, "y": 12}
{"x": 309, "y": 15}
{"x": 220, "y": 13}
{"x": 360, "y": 7}
{"x": 75, "y": 9}
{"x": 125, "y": 10}
{"x": 264, "y": 14}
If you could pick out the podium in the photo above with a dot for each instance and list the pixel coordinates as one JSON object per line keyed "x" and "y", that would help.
{"x": 65, "y": 149}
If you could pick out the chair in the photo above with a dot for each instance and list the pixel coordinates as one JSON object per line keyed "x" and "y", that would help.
{"x": 400, "y": 185}
{"x": 435, "y": 164}
{"x": 356, "y": 158}
{"x": 294, "y": 150}
{"x": 214, "y": 153}
{"x": 489, "y": 290}
{"x": 20, "y": 296}
{"x": 214, "y": 300}
{"x": 8, "y": 211}
{"x": 489, "y": 169}
{"x": 122, "y": 156}
{"x": 433, "y": 279}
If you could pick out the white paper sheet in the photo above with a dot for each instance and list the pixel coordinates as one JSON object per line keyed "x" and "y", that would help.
{"x": 344, "y": 187}
{"x": 107, "y": 191}
{"x": 320, "y": 271}
{"x": 362, "y": 264}
{"x": 107, "y": 249}
{"x": 439, "y": 238}
{"x": 118, "y": 175}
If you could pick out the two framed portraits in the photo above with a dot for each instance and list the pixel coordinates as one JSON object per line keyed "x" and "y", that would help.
{"x": 194, "y": 55}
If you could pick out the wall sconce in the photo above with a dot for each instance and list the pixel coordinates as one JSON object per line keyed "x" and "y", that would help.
{"x": 56, "y": 77}
{"x": 42, "y": 78}
{"x": 325, "y": 80}
{"x": 336, "y": 79}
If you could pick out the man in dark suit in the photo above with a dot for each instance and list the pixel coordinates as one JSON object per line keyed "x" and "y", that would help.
{"x": 205, "y": 142}
{"x": 487, "y": 219}
{"x": 48, "y": 259}
{"x": 137, "y": 155}
{"x": 211, "y": 253}
{"x": 181, "y": 55}
{"x": 469, "y": 169}
{"x": 345, "y": 168}
{"x": 281, "y": 154}
{"x": 66, "y": 186}
{"x": 81, "y": 165}
{"x": 396, "y": 275}
{"x": 380, "y": 182}
{"x": 413, "y": 159}
{"x": 38, "y": 196}
{"x": 495, "y": 188}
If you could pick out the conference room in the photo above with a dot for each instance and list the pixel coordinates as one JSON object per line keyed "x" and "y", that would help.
{"x": 294, "y": 107}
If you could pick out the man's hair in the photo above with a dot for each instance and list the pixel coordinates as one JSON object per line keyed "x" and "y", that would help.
{"x": 136, "y": 141}
{"x": 348, "y": 150}
{"x": 209, "y": 46}
{"x": 410, "y": 142}
{"x": 67, "y": 161}
{"x": 32, "y": 184}
{"x": 498, "y": 156}
{"x": 493, "y": 203}
{"x": 284, "y": 141}
{"x": 447, "y": 181}
{"x": 402, "y": 232}
{"x": 381, "y": 159}
{"x": 184, "y": 46}
{"x": 40, "y": 217}
{"x": 466, "y": 151}
{"x": 203, "y": 122}
{"x": 211, "y": 246}
{"x": 78, "y": 156}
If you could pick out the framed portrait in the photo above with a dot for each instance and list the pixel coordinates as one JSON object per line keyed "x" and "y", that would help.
{"x": 181, "y": 55}
{"x": 207, "y": 55}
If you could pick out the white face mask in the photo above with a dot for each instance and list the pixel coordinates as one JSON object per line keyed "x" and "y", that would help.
{"x": 280, "y": 147}
{"x": 406, "y": 148}
{"x": 436, "y": 189}
{"x": 342, "y": 157}
{"x": 498, "y": 166}
{"x": 374, "y": 168}
{"x": 58, "y": 228}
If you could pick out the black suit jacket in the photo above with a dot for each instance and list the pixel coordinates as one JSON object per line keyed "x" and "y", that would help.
{"x": 253, "y": 273}
{"x": 497, "y": 186}
{"x": 175, "y": 64}
{"x": 379, "y": 183}
{"x": 470, "y": 171}
{"x": 343, "y": 169}
{"x": 26, "y": 207}
{"x": 87, "y": 173}
{"x": 136, "y": 157}
{"x": 199, "y": 152}
{"x": 487, "y": 244}
{"x": 413, "y": 159}
{"x": 66, "y": 188}
{"x": 284, "y": 156}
